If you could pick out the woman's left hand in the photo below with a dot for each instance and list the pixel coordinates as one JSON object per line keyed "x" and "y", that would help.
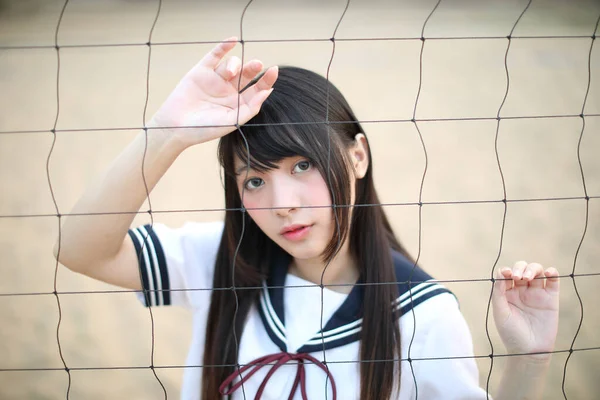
{"x": 525, "y": 306}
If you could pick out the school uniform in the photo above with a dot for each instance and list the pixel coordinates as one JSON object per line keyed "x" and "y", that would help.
{"x": 177, "y": 268}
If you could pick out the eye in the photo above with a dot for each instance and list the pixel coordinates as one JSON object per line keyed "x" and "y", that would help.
{"x": 254, "y": 183}
{"x": 302, "y": 166}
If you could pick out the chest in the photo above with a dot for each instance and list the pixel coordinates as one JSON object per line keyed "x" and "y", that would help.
{"x": 277, "y": 383}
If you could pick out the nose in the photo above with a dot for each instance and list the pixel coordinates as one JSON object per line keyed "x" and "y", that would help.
{"x": 285, "y": 198}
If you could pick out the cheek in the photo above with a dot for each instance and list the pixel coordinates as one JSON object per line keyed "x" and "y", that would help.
{"x": 251, "y": 205}
{"x": 258, "y": 216}
{"x": 320, "y": 195}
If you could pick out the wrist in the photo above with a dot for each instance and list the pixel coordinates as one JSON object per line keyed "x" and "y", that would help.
{"x": 532, "y": 362}
{"x": 166, "y": 138}
{"x": 523, "y": 378}
{"x": 537, "y": 356}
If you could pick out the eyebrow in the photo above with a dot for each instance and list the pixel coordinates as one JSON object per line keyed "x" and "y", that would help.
{"x": 241, "y": 169}
{"x": 260, "y": 169}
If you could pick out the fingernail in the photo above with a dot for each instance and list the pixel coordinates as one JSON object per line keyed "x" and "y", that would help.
{"x": 528, "y": 275}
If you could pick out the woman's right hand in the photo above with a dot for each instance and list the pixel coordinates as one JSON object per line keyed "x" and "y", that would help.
{"x": 207, "y": 100}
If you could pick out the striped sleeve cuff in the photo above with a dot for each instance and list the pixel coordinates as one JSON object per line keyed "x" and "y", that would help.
{"x": 153, "y": 266}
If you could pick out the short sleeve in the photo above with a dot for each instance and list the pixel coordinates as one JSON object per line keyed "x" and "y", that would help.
{"x": 443, "y": 361}
{"x": 177, "y": 265}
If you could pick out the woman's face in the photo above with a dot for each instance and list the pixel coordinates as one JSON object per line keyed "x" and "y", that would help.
{"x": 291, "y": 204}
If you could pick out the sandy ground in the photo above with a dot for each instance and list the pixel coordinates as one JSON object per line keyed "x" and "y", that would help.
{"x": 105, "y": 87}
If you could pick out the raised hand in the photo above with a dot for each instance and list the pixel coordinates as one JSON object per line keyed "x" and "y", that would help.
{"x": 207, "y": 96}
{"x": 525, "y": 307}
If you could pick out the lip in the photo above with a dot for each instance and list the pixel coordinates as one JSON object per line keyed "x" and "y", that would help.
{"x": 295, "y": 232}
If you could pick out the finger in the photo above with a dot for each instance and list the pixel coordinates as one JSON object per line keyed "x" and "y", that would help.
{"x": 229, "y": 69}
{"x": 518, "y": 268}
{"x": 265, "y": 82}
{"x": 506, "y": 274}
{"x": 517, "y": 271}
{"x": 503, "y": 280}
{"x": 552, "y": 280}
{"x": 214, "y": 57}
{"x": 534, "y": 274}
{"x": 251, "y": 108}
{"x": 249, "y": 72}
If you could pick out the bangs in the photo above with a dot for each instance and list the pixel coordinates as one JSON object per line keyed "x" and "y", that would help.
{"x": 269, "y": 144}
{"x": 283, "y": 128}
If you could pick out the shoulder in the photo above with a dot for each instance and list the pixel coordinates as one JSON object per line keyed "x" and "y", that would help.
{"x": 191, "y": 231}
{"x": 417, "y": 289}
{"x": 192, "y": 237}
{"x": 436, "y": 339}
{"x": 194, "y": 244}
{"x": 172, "y": 259}
{"x": 407, "y": 271}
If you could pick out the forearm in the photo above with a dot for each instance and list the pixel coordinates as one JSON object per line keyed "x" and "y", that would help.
{"x": 115, "y": 199}
{"x": 523, "y": 378}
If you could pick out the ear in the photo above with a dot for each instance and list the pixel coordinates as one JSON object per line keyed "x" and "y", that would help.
{"x": 359, "y": 155}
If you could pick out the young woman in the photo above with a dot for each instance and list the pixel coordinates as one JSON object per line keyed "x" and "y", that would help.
{"x": 327, "y": 302}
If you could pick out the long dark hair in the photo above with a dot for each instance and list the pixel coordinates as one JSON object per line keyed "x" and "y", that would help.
{"x": 292, "y": 123}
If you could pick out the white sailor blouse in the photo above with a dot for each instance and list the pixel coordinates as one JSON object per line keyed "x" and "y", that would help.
{"x": 301, "y": 341}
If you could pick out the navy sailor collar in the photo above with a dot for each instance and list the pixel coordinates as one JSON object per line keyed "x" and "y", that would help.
{"x": 345, "y": 325}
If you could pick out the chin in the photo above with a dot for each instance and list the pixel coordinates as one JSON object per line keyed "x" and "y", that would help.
{"x": 303, "y": 253}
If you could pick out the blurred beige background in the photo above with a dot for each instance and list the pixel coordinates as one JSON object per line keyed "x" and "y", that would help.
{"x": 105, "y": 87}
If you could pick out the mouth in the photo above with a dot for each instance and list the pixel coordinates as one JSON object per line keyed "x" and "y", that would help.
{"x": 295, "y": 232}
